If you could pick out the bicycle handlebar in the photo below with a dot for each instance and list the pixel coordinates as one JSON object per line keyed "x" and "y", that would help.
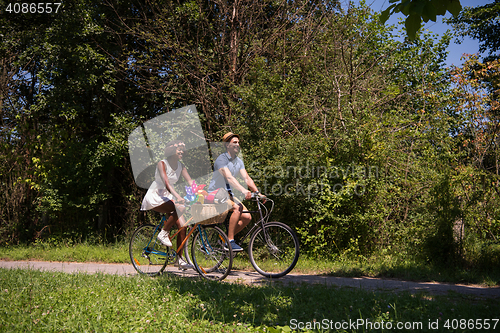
{"x": 257, "y": 194}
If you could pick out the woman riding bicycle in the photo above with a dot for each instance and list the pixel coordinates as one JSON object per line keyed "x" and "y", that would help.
{"x": 162, "y": 197}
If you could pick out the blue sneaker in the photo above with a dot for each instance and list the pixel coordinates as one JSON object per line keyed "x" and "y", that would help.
{"x": 235, "y": 247}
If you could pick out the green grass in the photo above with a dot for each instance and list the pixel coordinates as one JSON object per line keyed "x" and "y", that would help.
{"x": 81, "y": 252}
{"x": 381, "y": 266}
{"x": 34, "y": 301}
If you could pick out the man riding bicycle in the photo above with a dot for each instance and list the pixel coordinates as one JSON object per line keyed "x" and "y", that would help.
{"x": 226, "y": 168}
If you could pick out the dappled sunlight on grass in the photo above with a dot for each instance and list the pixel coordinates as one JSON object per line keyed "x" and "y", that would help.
{"x": 52, "y": 301}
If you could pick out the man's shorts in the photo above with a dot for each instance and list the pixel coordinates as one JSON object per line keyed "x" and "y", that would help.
{"x": 238, "y": 202}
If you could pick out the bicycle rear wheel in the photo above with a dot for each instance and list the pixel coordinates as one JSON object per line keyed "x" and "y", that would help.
{"x": 210, "y": 256}
{"x": 274, "y": 250}
{"x": 147, "y": 253}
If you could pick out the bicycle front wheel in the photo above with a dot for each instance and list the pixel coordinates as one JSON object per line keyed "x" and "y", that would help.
{"x": 211, "y": 257}
{"x": 147, "y": 253}
{"x": 274, "y": 250}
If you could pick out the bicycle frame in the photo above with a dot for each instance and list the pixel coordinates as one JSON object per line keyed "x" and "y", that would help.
{"x": 181, "y": 247}
{"x": 263, "y": 218}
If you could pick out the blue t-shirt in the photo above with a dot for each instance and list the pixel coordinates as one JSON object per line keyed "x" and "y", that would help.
{"x": 234, "y": 166}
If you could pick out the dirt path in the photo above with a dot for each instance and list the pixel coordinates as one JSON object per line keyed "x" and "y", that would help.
{"x": 383, "y": 285}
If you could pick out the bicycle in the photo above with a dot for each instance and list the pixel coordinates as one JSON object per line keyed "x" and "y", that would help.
{"x": 209, "y": 255}
{"x": 273, "y": 247}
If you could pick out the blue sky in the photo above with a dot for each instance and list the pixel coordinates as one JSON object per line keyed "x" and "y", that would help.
{"x": 468, "y": 45}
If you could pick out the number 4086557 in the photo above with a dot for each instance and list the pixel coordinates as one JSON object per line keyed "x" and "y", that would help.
{"x": 33, "y": 8}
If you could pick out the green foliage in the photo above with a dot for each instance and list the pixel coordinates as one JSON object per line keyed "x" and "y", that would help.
{"x": 480, "y": 23}
{"x": 338, "y": 219}
{"x": 322, "y": 128}
{"x": 441, "y": 246}
{"x": 418, "y": 10}
{"x": 488, "y": 255}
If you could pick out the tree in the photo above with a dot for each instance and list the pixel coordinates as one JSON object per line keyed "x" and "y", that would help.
{"x": 480, "y": 23}
{"x": 63, "y": 110}
{"x": 197, "y": 51}
{"x": 477, "y": 171}
{"x": 352, "y": 123}
{"x": 20, "y": 125}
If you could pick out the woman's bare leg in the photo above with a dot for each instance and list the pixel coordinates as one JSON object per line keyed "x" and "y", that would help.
{"x": 169, "y": 209}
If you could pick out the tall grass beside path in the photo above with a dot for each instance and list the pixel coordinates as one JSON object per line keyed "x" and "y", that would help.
{"x": 79, "y": 252}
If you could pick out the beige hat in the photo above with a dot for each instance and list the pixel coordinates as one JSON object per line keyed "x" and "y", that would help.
{"x": 228, "y": 136}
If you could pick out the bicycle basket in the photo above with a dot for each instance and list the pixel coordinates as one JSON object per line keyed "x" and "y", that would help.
{"x": 209, "y": 213}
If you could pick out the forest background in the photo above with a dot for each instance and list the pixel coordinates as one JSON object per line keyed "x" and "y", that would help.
{"x": 368, "y": 144}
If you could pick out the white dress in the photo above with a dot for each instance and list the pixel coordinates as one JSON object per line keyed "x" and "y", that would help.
{"x": 157, "y": 193}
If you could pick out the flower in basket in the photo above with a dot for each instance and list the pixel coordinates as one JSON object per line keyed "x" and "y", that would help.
{"x": 190, "y": 196}
{"x": 193, "y": 187}
{"x": 200, "y": 188}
